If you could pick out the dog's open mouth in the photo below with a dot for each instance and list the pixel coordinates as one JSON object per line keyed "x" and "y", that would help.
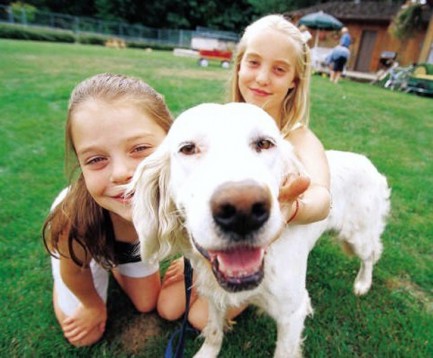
{"x": 237, "y": 269}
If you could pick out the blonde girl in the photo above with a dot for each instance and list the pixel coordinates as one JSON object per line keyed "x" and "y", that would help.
{"x": 113, "y": 123}
{"x": 272, "y": 69}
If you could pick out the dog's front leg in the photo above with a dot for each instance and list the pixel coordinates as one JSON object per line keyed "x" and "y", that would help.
{"x": 213, "y": 333}
{"x": 289, "y": 330}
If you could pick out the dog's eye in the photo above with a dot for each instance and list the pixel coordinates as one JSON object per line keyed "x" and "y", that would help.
{"x": 188, "y": 149}
{"x": 263, "y": 144}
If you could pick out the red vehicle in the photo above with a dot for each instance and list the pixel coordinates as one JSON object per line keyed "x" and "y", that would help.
{"x": 224, "y": 56}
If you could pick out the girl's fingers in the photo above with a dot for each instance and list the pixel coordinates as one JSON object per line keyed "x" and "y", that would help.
{"x": 69, "y": 325}
{"x": 75, "y": 334}
{"x": 169, "y": 280}
{"x": 80, "y": 335}
{"x": 173, "y": 270}
{"x": 68, "y": 321}
{"x": 293, "y": 187}
{"x": 176, "y": 268}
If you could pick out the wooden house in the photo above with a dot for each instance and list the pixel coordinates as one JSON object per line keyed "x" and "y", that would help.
{"x": 368, "y": 23}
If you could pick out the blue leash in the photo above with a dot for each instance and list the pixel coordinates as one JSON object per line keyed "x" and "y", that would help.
{"x": 185, "y": 326}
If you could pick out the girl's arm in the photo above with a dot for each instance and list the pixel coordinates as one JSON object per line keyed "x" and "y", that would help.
{"x": 91, "y": 314}
{"x": 78, "y": 279}
{"x": 314, "y": 203}
{"x": 80, "y": 282}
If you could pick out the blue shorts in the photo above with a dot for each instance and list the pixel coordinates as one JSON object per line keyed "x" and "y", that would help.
{"x": 339, "y": 63}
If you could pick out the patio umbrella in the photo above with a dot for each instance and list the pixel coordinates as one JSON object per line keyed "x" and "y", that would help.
{"x": 320, "y": 21}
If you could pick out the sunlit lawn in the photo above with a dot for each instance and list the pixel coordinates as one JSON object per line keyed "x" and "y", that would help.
{"x": 394, "y": 129}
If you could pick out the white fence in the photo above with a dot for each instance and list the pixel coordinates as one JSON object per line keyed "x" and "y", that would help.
{"x": 79, "y": 24}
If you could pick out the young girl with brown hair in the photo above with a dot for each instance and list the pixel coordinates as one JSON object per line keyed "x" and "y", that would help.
{"x": 113, "y": 123}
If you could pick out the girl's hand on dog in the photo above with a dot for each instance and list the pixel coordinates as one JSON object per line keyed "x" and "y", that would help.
{"x": 291, "y": 190}
{"x": 86, "y": 321}
{"x": 174, "y": 273}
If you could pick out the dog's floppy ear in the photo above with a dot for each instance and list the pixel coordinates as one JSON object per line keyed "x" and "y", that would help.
{"x": 153, "y": 211}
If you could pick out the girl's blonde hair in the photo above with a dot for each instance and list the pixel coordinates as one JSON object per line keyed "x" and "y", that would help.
{"x": 296, "y": 105}
{"x": 78, "y": 216}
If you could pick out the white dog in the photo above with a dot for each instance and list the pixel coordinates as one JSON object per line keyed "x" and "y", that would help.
{"x": 210, "y": 192}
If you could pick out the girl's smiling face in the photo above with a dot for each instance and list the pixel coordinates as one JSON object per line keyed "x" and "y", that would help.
{"x": 267, "y": 70}
{"x": 111, "y": 139}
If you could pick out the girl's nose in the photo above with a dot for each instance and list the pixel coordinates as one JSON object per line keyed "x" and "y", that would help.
{"x": 122, "y": 171}
{"x": 263, "y": 77}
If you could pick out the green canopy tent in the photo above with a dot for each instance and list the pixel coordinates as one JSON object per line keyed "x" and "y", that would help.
{"x": 320, "y": 21}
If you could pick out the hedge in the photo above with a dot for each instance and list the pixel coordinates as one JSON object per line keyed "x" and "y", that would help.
{"x": 35, "y": 33}
{"x": 20, "y": 32}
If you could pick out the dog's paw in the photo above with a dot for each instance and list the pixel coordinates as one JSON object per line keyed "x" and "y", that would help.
{"x": 361, "y": 287}
{"x": 207, "y": 351}
{"x": 364, "y": 278}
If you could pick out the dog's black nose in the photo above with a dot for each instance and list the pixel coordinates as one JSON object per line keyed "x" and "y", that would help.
{"x": 240, "y": 207}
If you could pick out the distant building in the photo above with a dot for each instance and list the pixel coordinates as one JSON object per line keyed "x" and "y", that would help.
{"x": 368, "y": 24}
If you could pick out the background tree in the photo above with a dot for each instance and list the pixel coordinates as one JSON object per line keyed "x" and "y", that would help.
{"x": 185, "y": 14}
{"x": 281, "y": 6}
{"x": 408, "y": 21}
{"x": 176, "y": 14}
{"x": 78, "y": 7}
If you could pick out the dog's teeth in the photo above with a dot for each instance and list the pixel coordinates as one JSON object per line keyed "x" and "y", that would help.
{"x": 236, "y": 274}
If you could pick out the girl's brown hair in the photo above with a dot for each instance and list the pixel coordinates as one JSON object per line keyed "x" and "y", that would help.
{"x": 78, "y": 216}
{"x": 295, "y": 107}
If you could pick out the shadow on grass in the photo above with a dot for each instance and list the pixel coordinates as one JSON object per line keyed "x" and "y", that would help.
{"x": 131, "y": 333}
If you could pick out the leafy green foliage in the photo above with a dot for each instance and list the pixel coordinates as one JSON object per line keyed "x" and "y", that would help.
{"x": 407, "y": 22}
{"x": 11, "y": 31}
{"x": 20, "y": 9}
{"x": 91, "y": 39}
{"x": 224, "y": 15}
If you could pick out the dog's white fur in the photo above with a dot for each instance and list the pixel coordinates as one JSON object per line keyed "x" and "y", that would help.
{"x": 211, "y": 146}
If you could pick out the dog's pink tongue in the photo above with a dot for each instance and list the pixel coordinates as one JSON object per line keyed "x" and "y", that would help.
{"x": 239, "y": 262}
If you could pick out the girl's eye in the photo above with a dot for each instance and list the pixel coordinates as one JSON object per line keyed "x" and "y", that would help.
{"x": 141, "y": 148}
{"x": 94, "y": 161}
{"x": 263, "y": 144}
{"x": 188, "y": 149}
{"x": 280, "y": 70}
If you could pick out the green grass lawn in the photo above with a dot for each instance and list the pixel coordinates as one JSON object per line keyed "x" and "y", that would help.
{"x": 394, "y": 129}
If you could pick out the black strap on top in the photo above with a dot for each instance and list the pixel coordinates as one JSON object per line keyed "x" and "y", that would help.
{"x": 126, "y": 252}
{"x": 187, "y": 272}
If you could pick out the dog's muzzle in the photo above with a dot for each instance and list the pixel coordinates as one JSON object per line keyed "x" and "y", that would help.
{"x": 239, "y": 210}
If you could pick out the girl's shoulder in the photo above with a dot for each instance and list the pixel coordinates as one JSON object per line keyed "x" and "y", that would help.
{"x": 296, "y": 126}
{"x": 295, "y": 129}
